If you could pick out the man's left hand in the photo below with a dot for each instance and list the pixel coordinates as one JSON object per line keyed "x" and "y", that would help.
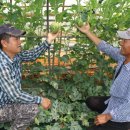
{"x": 102, "y": 119}
{"x": 52, "y": 36}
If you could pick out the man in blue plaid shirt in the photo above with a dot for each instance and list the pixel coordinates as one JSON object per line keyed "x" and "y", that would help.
{"x": 115, "y": 110}
{"x": 17, "y": 106}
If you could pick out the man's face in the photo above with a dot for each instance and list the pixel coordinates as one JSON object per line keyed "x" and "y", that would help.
{"x": 13, "y": 45}
{"x": 125, "y": 47}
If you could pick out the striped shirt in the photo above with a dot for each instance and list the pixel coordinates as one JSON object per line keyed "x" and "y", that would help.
{"x": 10, "y": 76}
{"x": 119, "y": 101}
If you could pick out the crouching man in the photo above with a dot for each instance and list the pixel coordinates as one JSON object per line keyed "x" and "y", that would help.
{"x": 115, "y": 110}
{"x": 17, "y": 106}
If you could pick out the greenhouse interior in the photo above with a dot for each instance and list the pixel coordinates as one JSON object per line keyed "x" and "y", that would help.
{"x": 69, "y": 69}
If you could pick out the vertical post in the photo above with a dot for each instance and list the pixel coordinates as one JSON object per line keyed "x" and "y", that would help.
{"x": 47, "y": 16}
{"x": 49, "y": 57}
{"x": 11, "y": 10}
{"x": 63, "y": 7}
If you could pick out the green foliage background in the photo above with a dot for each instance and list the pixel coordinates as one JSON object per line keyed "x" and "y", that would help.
{"x": 68, "y": 93}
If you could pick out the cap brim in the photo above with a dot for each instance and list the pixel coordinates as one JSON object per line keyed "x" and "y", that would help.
{"x": 122, "y": 35}
{"x": 16, "y": 32}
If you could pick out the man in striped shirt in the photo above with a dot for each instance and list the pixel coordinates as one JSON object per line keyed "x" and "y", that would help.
{"x": 116, "y": 108}
{"x": 17, "y": 106}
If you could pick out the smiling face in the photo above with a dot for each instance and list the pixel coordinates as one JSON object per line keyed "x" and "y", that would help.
{"x": 11, "y": 45}
{"x": 14, "y": 45}
{"x": 125, "y": 47}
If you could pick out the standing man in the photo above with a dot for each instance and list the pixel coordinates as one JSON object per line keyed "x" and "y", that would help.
{"x": 116, "y": 115}
{"x": 17, "y": 106}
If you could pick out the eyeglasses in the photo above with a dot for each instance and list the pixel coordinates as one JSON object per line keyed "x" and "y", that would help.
{"x": 121, "y": 40}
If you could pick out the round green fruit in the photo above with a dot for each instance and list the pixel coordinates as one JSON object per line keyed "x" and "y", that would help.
{"x": 79, "y": 22}
{"x": 55, "y": 27}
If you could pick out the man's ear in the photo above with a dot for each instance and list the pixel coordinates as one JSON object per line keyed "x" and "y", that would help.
{"x": 4, "y": 43}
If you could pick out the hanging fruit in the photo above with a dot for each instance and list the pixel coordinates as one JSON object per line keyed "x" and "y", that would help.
{"x": 79, "y": 22}
{"x": 55, "y": 27}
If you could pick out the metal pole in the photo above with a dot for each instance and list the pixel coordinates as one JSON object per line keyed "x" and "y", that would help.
{"x": 63, "y": 7}
{"x": 49, "y": 57}
{"x": 47, "y": 16}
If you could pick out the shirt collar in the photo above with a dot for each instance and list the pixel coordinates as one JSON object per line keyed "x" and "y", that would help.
{"x": 5, "y": 57}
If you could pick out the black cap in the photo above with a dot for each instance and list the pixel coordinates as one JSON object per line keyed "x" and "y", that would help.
{"x": 11, "y": 30}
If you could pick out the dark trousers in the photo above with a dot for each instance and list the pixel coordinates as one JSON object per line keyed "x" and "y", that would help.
{"x": 96, "y": 103}
{"x": 111, "y": 126}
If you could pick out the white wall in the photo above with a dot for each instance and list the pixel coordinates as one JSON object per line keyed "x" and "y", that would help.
{"x": 70, "y": 2}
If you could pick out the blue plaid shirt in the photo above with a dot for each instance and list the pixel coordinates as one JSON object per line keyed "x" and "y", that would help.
{"x": 10, "y": 76}
{"x": 119, "y": 101}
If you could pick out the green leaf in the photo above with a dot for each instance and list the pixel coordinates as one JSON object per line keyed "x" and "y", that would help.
{"x": 36, "y": 128}
{"x": 75, "y": 126}
{"x": 56, "y": 126}
{"x": 37, "y": 121}
{"x": 75, "y": 95}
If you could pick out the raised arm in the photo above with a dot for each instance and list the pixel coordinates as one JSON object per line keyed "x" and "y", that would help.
{"x": 101, "y": 45}
{"x": 31, "y": 55}
{"x": 86, "y": 30}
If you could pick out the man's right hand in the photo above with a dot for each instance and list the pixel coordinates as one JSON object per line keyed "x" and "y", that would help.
{"x": 84, "y": 28}
{"x": 46, "y": 103}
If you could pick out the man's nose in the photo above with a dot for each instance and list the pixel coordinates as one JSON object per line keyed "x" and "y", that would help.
{"x": 19, "y": 41}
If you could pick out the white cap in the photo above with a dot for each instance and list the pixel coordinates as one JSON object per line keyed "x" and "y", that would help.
{"x": 124, "y": 34}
